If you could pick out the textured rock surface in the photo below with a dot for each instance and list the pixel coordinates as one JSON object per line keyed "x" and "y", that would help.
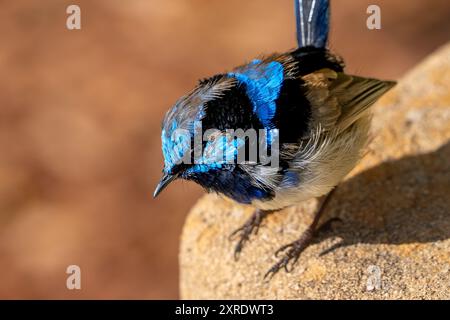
{"x": 395, "y": 208}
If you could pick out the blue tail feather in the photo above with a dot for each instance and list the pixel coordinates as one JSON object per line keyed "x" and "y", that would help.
{"x": 312, "y": 22}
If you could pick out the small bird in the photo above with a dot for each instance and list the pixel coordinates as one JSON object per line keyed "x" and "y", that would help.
{"x": 318, "y": 115}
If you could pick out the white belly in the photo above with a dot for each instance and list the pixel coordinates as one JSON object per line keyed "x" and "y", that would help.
{"x": 323, "y": 166}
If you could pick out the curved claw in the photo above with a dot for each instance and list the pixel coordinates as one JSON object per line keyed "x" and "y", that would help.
{"x": 282, "y": 249}
{"x": 283, "y": 263}
{"x": 271, "y": 272}
{"x": 239, "y": 246}
{"x": 234, "y": 233}
{"x": 237, "y": 253}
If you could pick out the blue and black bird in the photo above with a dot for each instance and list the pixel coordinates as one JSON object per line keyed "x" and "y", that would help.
{"x": 320, "y": 114}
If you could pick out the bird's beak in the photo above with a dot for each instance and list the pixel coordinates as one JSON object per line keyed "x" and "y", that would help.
{"x": 165, "y": 180}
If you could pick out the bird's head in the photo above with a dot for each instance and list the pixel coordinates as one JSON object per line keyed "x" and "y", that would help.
{"x": 186, "y": 154}
{"x": 210, "y": 134}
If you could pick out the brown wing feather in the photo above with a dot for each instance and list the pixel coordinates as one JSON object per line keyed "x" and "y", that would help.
{"x": 325, "y": 108}
{"x": 338, "y": 99}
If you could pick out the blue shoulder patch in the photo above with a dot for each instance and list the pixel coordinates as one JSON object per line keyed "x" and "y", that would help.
{"x": 263, "y": 83}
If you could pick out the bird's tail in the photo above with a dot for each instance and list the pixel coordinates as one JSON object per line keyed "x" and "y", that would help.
{"x": 312, "y": 22}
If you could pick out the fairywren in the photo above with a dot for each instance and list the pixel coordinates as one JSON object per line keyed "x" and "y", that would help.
{"x": 303, "y": 110}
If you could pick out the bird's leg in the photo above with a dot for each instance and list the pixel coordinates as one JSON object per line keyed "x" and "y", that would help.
{"x": 293, "y": 250}
{"x": 249, "y": 227}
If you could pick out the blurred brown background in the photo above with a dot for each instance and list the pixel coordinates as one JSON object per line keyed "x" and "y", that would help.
{"x": 80, "y": 116}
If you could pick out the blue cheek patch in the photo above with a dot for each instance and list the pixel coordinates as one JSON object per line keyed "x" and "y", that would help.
{"x": 203, "y": 168}
{"x": 263, "y": 84}
{"x": 167, "y": 146}
{"x": 218, "y": 153}
{"x": 174, "y": 146}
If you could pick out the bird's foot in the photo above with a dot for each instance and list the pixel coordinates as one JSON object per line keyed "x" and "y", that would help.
{"x": 291, "y": 253}
{"x": 251, "y": 226}
{"x": 293, "y": 250}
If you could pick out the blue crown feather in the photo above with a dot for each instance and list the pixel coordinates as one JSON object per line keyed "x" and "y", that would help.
{"x": 263, "y": 83}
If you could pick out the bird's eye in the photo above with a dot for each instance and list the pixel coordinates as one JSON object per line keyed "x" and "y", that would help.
{"x": 213, "y": 137}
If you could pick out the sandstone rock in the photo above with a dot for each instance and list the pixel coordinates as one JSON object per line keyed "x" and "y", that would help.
{"x": 395, "y": 208}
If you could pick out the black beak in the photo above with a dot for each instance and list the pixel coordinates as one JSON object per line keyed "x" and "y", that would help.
{"x": 165, "y": 180}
